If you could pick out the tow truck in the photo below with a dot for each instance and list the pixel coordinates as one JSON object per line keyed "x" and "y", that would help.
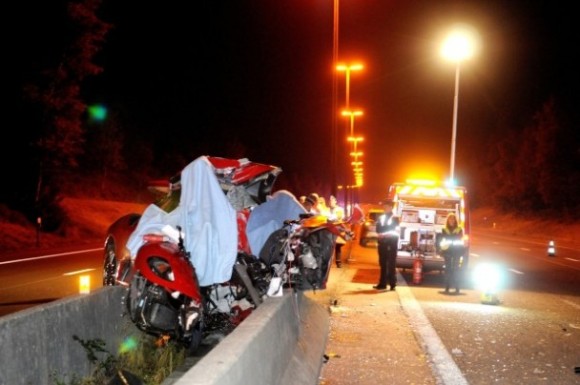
{"x": 422, "y": 208}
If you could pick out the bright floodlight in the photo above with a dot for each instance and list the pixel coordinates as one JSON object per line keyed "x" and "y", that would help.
{"x": 487, "y": 277}
{"x": 460, "y": 44}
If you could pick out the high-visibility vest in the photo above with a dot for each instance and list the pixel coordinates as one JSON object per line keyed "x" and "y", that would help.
{"x": 392, "y": 225}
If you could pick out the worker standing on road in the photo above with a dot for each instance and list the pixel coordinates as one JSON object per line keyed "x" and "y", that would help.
{"x": 336, "y": 214}
{"x": 388, "y": 235}
{"x": 452, "y": 250}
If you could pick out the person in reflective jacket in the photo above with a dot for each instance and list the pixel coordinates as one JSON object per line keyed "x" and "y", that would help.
{"x": 388, "y": 235}
{"x": 451, "y": 246}
{"x": 336, "y": 214}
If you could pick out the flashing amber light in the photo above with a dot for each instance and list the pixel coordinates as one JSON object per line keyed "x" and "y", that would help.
{"x": 431, "y": 191}
{"x": 421, "y": 182}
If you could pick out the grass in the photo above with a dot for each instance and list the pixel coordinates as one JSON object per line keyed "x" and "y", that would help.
{"x": 146, "y": 361}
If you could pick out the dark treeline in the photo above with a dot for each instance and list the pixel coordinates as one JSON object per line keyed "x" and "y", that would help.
{"x": 534, "y": 170}
{"x": 528, "y": 171}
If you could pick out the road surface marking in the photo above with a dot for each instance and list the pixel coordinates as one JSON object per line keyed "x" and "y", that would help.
{"x": 444, "y": 366}
{"x": 50, "y": 256}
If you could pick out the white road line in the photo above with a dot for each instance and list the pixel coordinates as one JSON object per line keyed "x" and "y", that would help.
{"x": 574, "y": 305}
{"x": 572, "y": 259}
{"x": 50, "y": 256}
{"x": 524, "y": 249}
{"x": 78, "y": 272}
{"x": 444, "y": 367}
{"x": 516, "y": 271}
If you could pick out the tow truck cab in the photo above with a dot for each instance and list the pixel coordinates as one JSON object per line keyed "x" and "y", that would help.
{"x": 422, "y": 208}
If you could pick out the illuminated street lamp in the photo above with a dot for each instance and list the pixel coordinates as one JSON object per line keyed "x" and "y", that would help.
{"x": 356, "y": 164}
{"x": 358, "y": 180}
{"x": 460, "y": 45}
{"x": 356, "y": 154}
{"x": 355, "y": 140}
{"x": 352, "y": 114}
{"x": 357, "y": 171}
{"x": 347, "y": 68}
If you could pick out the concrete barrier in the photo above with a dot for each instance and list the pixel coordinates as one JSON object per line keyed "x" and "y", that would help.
{"x": 38, "y": 342}
{"x": 281, "y": 342}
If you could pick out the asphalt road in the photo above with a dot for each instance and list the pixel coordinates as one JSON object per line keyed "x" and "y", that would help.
{"x": 29, "y": 279}
{"x": 532, "y": 336}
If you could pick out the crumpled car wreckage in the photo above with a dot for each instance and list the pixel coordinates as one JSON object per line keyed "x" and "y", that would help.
{"x": 224, "y": 216}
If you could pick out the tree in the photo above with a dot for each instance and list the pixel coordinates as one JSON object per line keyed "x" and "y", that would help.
{"x": 63, "y": 107}
{"x": 61, "y": 142}
{"x": 556, "y": 160}
{"x": 537, "y": 168}
{"x": 104, "y": 153}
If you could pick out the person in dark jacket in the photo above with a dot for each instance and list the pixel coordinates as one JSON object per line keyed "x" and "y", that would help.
{"x": 388, "y": 236}
{"x": 452, "y": 250}
{"x": 311, "y": 203}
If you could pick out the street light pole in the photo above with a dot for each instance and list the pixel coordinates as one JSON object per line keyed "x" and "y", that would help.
{"x": 347, "y": 68}
{"x": 351, "y": 115}
{"x": 459, "y": 46}
{"x": 357, "y": 169}
{"x": 454, "y": 134}
{"x": 334, "y": 134}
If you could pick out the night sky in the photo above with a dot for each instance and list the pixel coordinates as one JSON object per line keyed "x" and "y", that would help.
{"x": 196, "y": 77}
